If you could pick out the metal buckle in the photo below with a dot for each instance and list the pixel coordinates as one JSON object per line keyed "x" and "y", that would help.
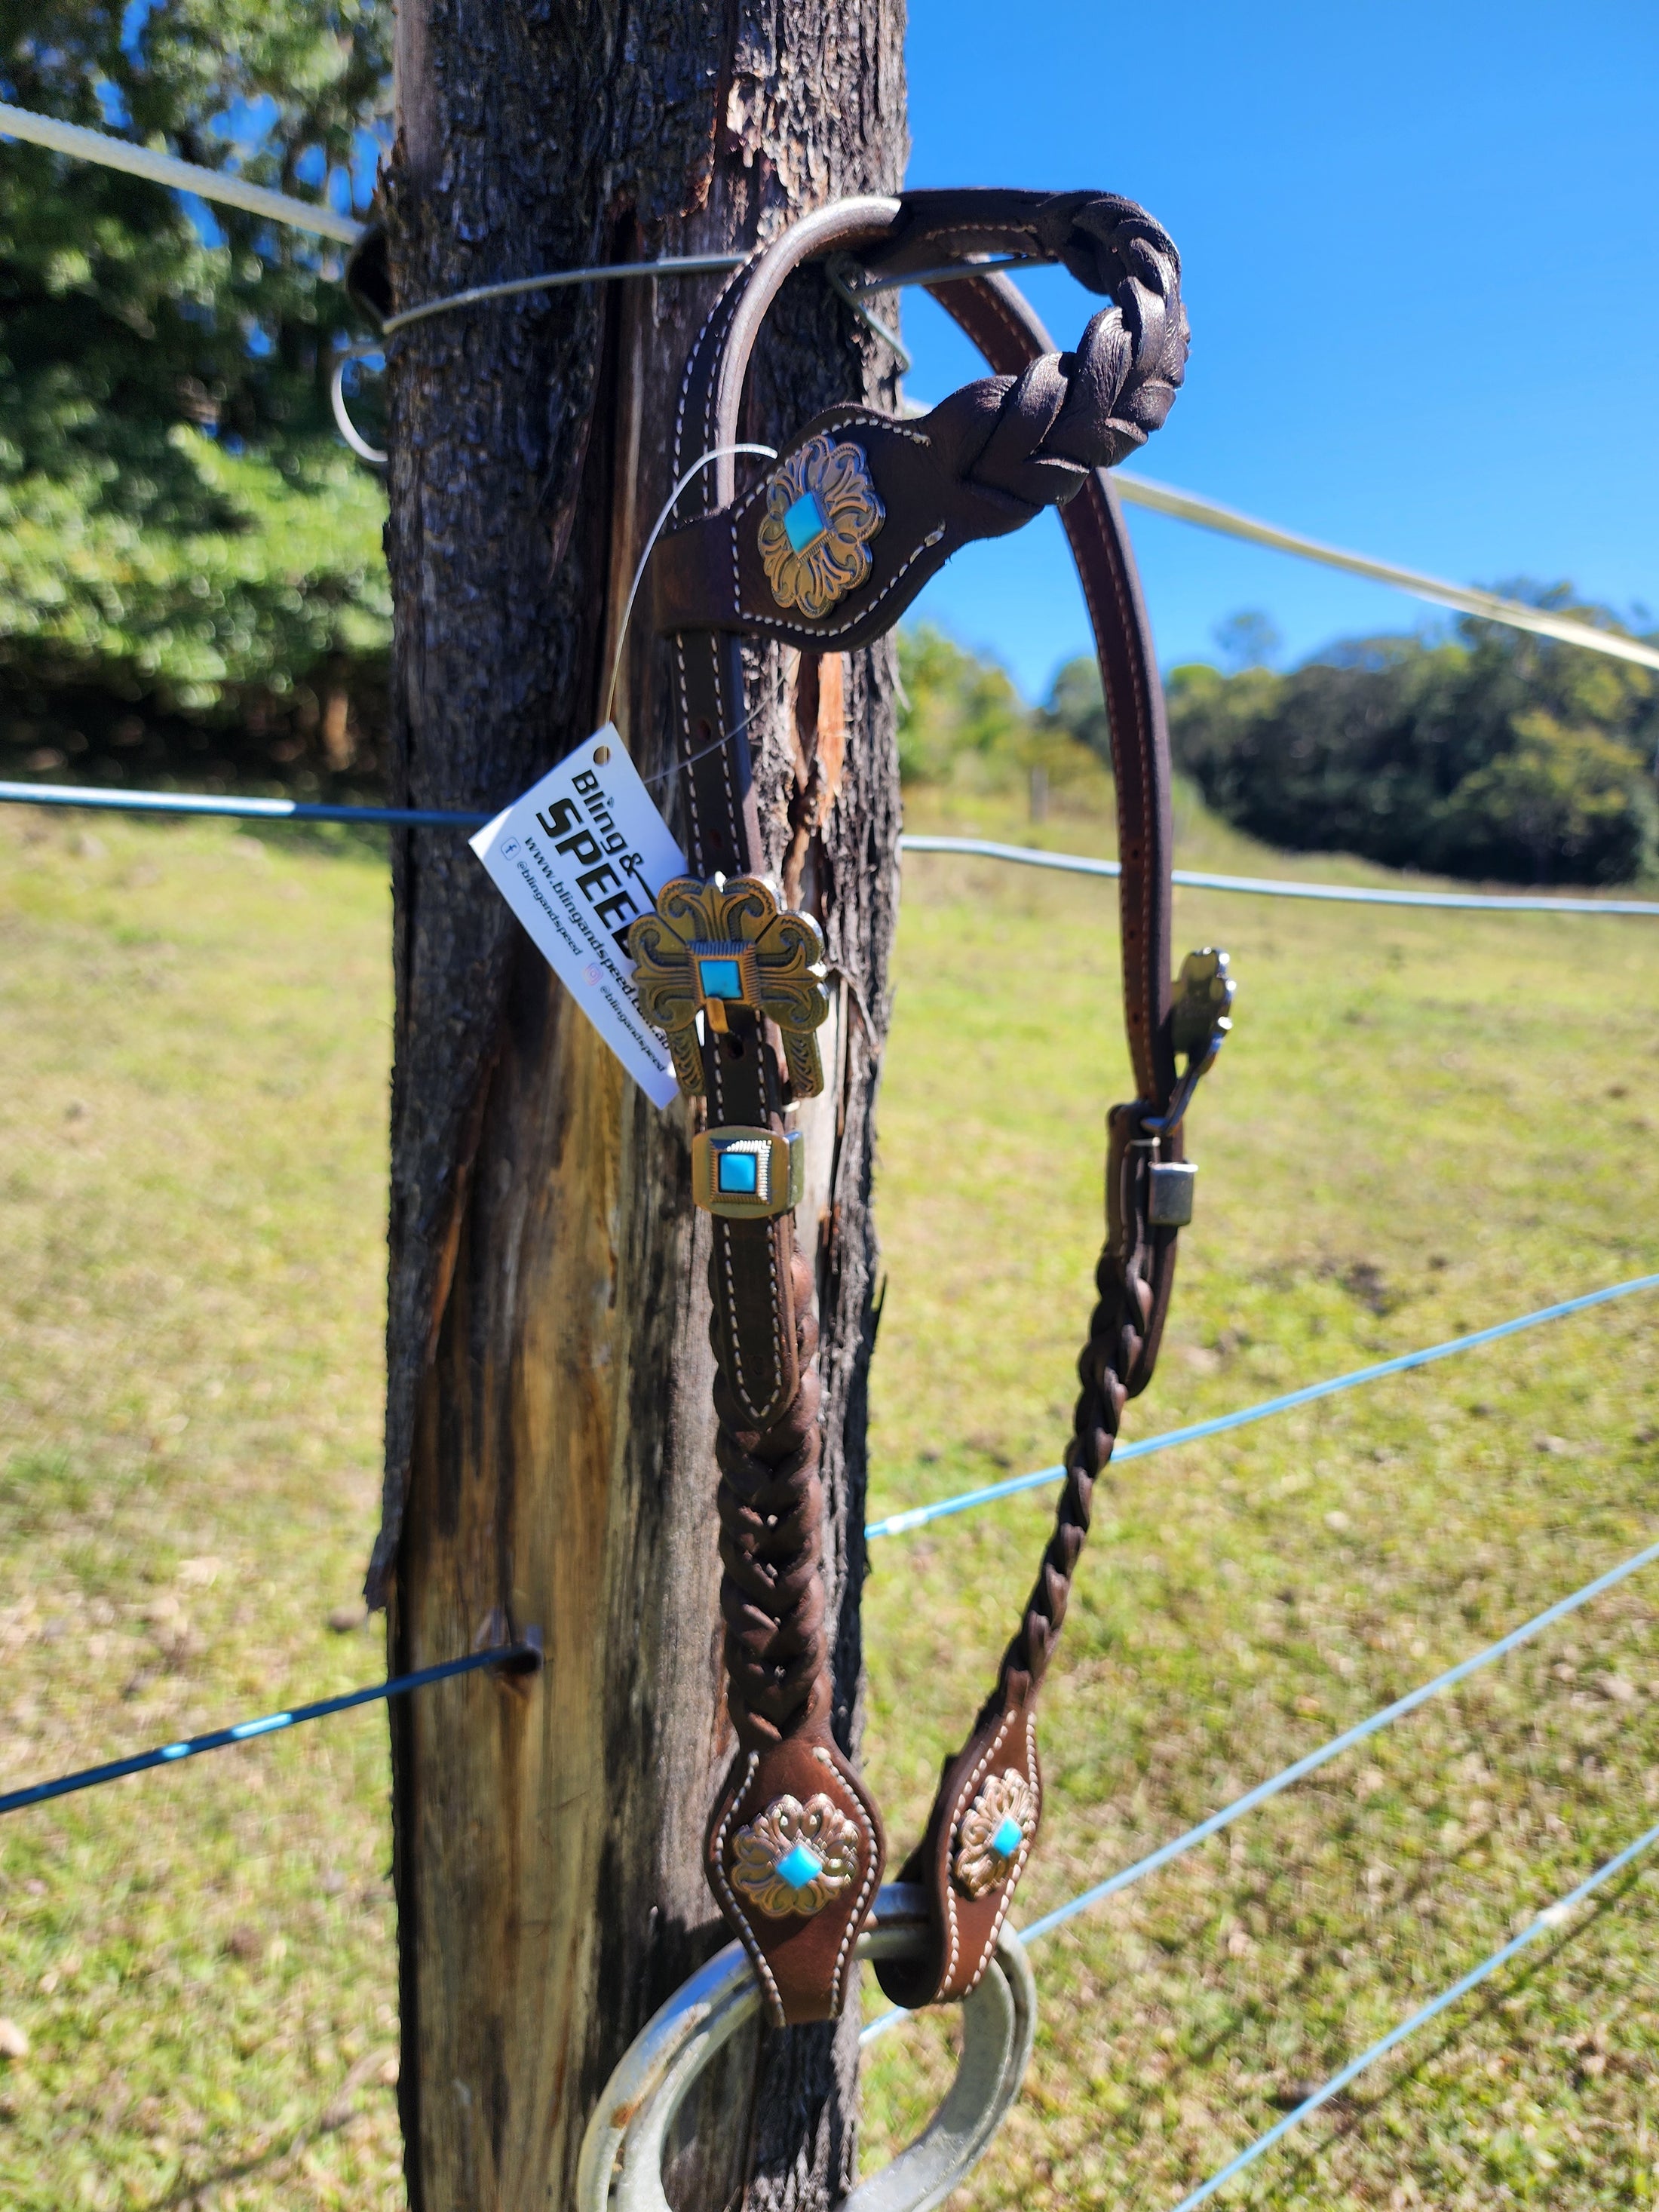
{"x": 1200, "y": 1021}
{"x": 748, "y": 1175}
{"x": 620, "y": 2169}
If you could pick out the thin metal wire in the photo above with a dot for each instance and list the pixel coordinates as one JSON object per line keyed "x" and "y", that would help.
{"x": 837, "y": 269}
{"x": 1079, "y": 864}
{"x": 376, "y": 455}
{"x": 1164, "y": 498}
{"x": 948, "y": 272}
{"x": 109, "y": 153}
{"x": 702, "y": 461}
{"x": 761, "y": 707}
{"x": 1468, "y": 599}
{"x": 918, "y": 1516}
{"x": 553, "y": 280}
{"x": 1178, "y": 1846}
{"x": 525, "y": 1656}
{"x": 1548, "y": 1923}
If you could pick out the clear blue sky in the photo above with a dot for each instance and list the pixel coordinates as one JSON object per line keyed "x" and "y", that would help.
{"x": 1421, "y": 254}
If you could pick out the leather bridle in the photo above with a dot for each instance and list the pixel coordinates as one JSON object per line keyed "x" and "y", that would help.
{"x": 824, "y": 553}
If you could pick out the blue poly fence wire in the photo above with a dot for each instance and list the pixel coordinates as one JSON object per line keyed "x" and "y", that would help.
{"x": 104, "y": 799}
{"x": 1299, "y": 1769}
{"x": 519, "y": 1657}
{"x": 918, "y": 1516}
{"x": 1548, "y": 1923}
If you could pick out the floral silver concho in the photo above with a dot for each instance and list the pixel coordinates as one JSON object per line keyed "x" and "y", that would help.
{"x": 794, "y": 1858}
{"x": 986, "y": 1844}
{"x": 815, "y": 562}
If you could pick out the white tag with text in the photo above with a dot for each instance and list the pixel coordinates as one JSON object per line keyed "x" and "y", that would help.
{"x": 579, "y": 859}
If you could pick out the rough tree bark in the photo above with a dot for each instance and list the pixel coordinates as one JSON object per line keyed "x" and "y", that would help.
{"x": 550, "y": 1430}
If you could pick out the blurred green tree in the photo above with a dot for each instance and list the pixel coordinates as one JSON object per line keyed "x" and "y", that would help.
{"x": 188, "y": 557}
{"x": 1496, "y": 754}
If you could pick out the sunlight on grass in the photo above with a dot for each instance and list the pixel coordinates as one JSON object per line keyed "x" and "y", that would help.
{"x": 1423, "y": 1124}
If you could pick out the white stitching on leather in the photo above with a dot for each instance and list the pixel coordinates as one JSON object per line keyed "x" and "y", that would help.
{"x": 751, "y": 1941}
{"x": 791, "y": 632}
{"x": 850, "y": 1931}
{"x": 1011, "y": 1879}
{"x": 1141, "y": 717}
{"x": 685, "y": 732}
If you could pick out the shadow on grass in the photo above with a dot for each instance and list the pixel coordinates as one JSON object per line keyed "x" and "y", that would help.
{"x": 338, "y": 2113}
{"x": 1350, "y": 2118}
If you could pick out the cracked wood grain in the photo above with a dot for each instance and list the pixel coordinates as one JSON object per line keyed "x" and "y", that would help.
{"x": 549, "y": 1433}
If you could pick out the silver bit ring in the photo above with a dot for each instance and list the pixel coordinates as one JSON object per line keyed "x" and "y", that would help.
{"x": 620, "y": 2169}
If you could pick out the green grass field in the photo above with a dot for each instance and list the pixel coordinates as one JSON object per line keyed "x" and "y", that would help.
{"x": 1423, "y": 1124}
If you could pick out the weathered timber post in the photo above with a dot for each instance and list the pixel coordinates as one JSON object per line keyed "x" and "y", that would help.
{"x": 550, "y": 1430}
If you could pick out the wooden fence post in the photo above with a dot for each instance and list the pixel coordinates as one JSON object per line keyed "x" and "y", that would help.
{"x": 549, "y": 1457}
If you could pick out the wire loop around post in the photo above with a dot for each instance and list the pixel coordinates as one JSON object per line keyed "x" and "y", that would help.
{"x": 373, "y": 454}
{"x": 620, "y": 2169}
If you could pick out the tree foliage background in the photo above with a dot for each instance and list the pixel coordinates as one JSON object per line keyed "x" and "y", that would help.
{"x": 191, "y": 571}
{"x": 1495, "y": 755}
{"x": 191, "y": 582}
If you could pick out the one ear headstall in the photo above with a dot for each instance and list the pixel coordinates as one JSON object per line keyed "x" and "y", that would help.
{"x": 825, "y": 552}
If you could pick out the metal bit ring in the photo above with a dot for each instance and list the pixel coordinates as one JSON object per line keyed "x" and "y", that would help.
{"x": 621, "y": 2166}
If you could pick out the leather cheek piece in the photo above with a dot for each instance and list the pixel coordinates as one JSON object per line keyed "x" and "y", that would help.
{"x": 798, "y": 1922}
{"x": 752, "y": 1325}
{"x": 995, "y": 1776}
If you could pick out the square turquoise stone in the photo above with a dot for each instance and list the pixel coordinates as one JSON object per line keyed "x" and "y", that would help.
{"x": 738, "y": 1174}
{"x": 721, "y": 979}
{"x": 801, "y": 1869}
{"x": 806, "y": 522}
{"x": 1008, "y": 1838}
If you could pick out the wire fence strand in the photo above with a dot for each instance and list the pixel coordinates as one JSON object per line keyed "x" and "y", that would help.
{"x": 1464, "y": 598}
{"x": 1080, "y": 864}
{"x": 523, "y": 1658}
{"x": 157, "y": 168}
{"x": 1548, "y": 1923}
{"x": 1299, "y": 1770}
{"x": 964, "y": 1501}
{"x": 108, "y": 800}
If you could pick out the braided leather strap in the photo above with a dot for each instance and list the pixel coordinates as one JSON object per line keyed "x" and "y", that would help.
{"x": 825, "y": 552}
{"x": 996, "y": 1774}
{"x": 984, "y": 462}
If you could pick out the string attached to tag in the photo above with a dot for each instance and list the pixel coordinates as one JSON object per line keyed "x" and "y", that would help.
{"x": 702, "y": 461}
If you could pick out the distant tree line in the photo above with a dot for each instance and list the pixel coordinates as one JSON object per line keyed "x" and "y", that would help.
{"x": 1496, "y": 756}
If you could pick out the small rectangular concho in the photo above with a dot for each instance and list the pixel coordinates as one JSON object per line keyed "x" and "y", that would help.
{"x": 748, "y": 1174}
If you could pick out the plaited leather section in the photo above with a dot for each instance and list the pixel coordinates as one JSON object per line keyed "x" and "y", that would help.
{"x": 771, "y": 1509}
{"x": 983, "y": 462}
{"x": 1123, "y": 378}
{"x": 1110, "y": 1371}
{"x": 1037, "y": 435}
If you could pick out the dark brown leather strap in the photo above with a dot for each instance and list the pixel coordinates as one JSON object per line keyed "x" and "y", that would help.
{"x": 825, "y": 552}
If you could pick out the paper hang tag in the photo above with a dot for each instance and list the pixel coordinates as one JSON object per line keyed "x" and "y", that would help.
{"x": 579, "y": 858}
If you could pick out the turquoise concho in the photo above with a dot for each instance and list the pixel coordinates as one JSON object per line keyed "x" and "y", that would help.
{"x": 793, "y": 1858}
{"x": 994, "y": 1830}
{"x": 711, "y": 947}
{"x": 822, "y": 511}
{"x": 748, "y": 1175}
